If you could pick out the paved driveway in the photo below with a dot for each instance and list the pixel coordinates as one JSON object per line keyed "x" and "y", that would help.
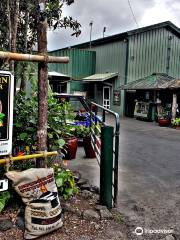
{"x": 149, "y": 177}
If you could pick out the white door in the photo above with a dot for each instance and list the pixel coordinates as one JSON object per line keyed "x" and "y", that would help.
{"x": 106, "y": 97}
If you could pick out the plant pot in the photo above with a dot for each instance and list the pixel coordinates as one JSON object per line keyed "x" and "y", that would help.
{"x": 163, "y": 122}
{"x": 89, "y": 151}
{"x": 178, "y": 127}
{"x": 70, "y": 147}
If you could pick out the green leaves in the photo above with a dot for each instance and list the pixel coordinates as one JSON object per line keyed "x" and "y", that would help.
{"x": 23, "y": 136}
{"x": 4, "y": 197}
{"x": 26, "y": 119}
{"x": 65, "y": 182}
{"x": 60, "y": 142}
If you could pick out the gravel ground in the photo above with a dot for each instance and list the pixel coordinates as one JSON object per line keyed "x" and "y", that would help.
{"x": 74, "y": 227}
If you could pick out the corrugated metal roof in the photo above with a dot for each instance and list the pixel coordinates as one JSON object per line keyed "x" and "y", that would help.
{"x": 100, "y": 77}
{"x": 154, "y": 81}
{"x": 174, "y": 83}
{"x": 124, "y": 35}
{"x": 57, "y": 74}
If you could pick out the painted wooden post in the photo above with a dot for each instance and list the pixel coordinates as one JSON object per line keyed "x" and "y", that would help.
{"x": 174, "y": 105}
{"x": 106, "y": 166}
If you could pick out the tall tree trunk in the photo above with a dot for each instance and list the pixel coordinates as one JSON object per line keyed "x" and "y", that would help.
{"x": 25, "y": 64}
{"x": 14, "y": 13}
{"x": 42, "y": 87}
{"x": 9, "y": 23}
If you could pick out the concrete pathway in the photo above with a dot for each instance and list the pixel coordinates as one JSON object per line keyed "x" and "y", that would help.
{"x": 149, "y": 176}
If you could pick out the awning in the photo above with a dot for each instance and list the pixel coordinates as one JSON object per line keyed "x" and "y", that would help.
{"x": 174, "y": 84}
{"x": 57, "y": 74}
{"x": 100, "y": 77}
{"x": 154, "y": 81}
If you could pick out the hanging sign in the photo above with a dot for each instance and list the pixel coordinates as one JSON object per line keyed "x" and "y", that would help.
{"x": 117, "y": 97}
{"x": 6, "y": 112}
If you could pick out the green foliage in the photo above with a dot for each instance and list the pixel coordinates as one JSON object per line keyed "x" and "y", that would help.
{"x": 4, "y": 197}
{"x": 28, "y": 72}
{"x": 59, "y": 116}
{"x": 26, "y": 121}
{"x": 118, "y": 218}
{"x": 65, "y": 182}
{"x": 29, "y": 8}
{"x": 82, "y": 131}
{"x": 23, "y": 165}
{"x": 176, "y": 122}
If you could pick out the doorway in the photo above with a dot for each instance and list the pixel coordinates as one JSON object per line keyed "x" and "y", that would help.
{"x": 106, "y": 97}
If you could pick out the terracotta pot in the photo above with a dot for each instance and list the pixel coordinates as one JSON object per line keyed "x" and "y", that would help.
{"x": 70, "y": 147}
{"x": 89, "y": 151}
{"x": 178, "y": 127}
{"x": 163, "y": 122}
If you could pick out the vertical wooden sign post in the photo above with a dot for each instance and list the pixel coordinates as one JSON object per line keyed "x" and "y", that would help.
{"x": 42, "y": 83}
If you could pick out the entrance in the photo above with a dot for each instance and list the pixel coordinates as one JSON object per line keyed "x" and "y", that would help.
{"x": 130, "y": 103}
{"x": 106, "y": 97}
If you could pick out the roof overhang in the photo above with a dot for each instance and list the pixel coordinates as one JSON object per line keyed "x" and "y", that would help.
{"x": 100, "y": 77}
{"x": 57, "y": 74}
{"x": 153, "y": 82}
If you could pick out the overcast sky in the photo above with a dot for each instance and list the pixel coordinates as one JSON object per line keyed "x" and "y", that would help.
{"x": 115, "y": 15}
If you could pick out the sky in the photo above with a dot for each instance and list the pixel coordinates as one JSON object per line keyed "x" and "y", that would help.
{"x": 115, "y": 15}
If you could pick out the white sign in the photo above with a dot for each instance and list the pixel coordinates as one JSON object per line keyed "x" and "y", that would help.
{"x": 3, "y": 185}
{"x": 6, "y": 112}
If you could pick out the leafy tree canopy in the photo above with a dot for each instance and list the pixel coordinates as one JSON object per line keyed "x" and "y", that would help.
{"x": 27, "y": 19}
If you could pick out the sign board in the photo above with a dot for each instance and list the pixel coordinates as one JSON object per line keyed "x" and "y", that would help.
{"x": 6, "y": 112}
{"x": 117, "y": 97}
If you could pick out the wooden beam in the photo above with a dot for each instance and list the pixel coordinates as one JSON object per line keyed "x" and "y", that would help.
{"x": 33, "y": 58}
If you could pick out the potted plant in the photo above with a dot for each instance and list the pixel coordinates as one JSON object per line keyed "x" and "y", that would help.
{"x": 64, "y": 127}
{"x": 176, "y": 123}
{"x": 164, "y": 119}
{"x": 84, "y": 133}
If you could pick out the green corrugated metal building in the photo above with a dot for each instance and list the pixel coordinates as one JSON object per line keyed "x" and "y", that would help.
{"x": 82, "y": 64}
{"x": 131, "y": 55}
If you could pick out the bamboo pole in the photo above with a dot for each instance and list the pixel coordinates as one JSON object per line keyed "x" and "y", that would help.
{"x": 32, "y": 58}
{"x": 27, "y": 157}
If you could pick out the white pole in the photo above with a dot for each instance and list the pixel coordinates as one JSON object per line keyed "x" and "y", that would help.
{"x": 174, "y": 106}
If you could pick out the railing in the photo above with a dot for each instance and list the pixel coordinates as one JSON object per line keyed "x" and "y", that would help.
{"x": 105, "y": 141}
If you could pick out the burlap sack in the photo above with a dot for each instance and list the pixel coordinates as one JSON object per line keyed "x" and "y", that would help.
{"x": 39, "y": 192}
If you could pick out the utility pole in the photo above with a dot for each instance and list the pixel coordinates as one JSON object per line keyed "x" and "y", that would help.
{"x": 42, "y": 82}
{"x": 104, "y": 30}
{"x": 90, "y": 24}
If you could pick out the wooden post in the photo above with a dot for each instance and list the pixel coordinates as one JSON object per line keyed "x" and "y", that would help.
{"x": 174, "y": 106}
{"x": 42, "y": 83}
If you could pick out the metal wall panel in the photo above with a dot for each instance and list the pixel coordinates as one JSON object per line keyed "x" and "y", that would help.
{"x": 61, "y": 68}
{"x": 174, "y": 62}
{"x": 81, "y": 64}
{"x": 155, "y": 51}
{"x": 111, "y": 57}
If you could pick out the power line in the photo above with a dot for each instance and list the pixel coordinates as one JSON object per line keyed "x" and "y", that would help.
{"x": 133, "y": 13}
